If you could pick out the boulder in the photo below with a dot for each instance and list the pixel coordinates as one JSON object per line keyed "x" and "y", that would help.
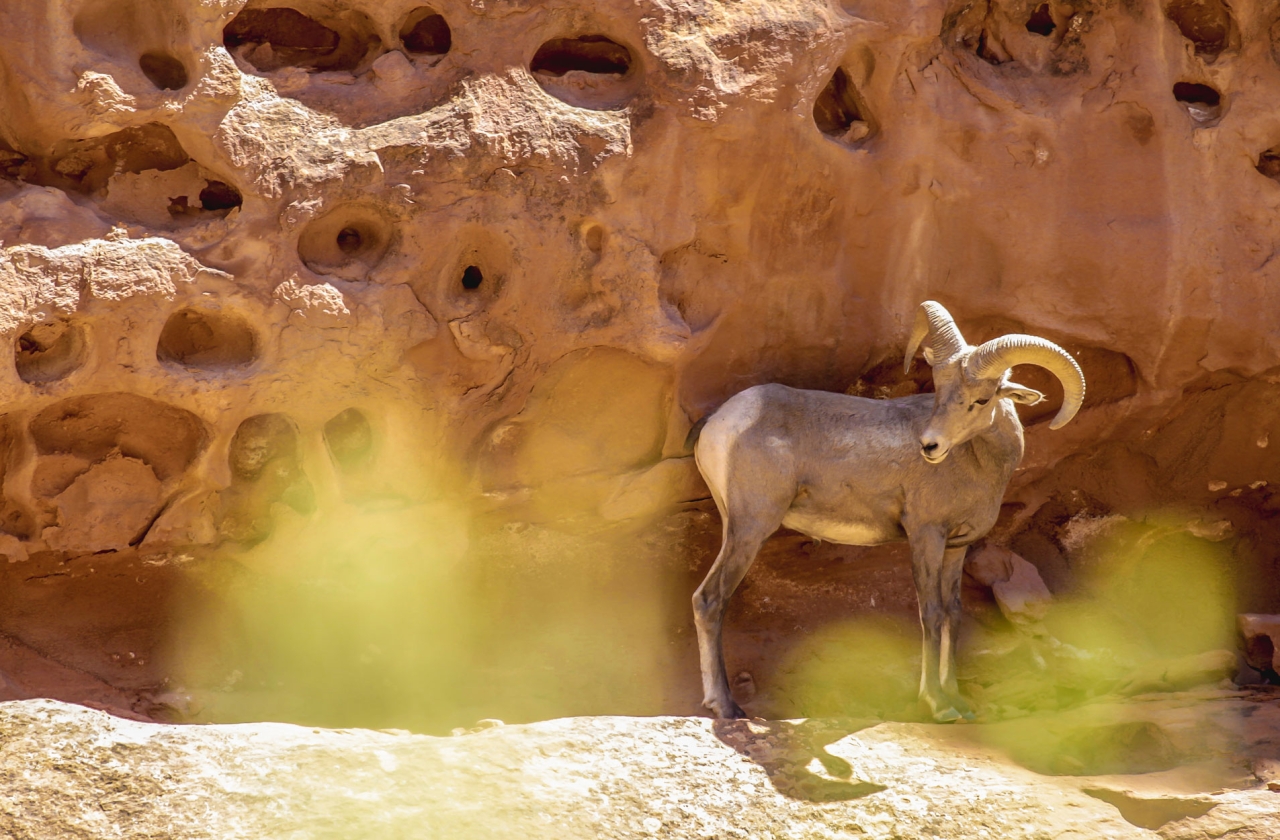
{"x": 1019, "y": 590}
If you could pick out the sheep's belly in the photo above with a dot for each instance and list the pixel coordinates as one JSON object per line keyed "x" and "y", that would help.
{"x": 839, "y": 530}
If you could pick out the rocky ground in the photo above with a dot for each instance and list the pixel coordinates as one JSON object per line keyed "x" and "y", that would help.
{"x": 1192, "y": 765}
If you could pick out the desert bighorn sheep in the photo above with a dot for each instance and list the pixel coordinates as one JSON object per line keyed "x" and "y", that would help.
{"x": 864, "y": 472}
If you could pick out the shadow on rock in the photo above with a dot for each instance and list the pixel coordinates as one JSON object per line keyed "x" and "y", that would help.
{"x": 786, "y": 749}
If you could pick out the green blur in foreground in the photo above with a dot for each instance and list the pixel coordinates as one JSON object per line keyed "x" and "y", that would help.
{"x": 1153, "y": 610}
{"x": 416, "y": 618}
{"x": 867, "y": 665}
{"x": 335, "y": 620}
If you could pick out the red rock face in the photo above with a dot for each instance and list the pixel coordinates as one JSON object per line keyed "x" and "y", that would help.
{"x": 285, "y": 282}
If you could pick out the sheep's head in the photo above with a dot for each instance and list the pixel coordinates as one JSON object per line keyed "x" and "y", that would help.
{"x": 969, "y": 382}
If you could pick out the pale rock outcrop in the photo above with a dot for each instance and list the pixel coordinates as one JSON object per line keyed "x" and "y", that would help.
{"x": 72, "y": 771}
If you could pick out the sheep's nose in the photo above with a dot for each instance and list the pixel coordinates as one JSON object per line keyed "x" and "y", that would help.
{"x": 929, "y": 448}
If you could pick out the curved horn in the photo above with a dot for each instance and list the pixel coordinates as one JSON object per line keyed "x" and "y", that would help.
{"x": 933, "y": 320}
{"x": 995, "y": 357}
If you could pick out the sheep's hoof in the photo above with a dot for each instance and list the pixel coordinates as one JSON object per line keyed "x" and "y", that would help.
{"x": 951, "y": 715}
{"x": 731, "y": 711}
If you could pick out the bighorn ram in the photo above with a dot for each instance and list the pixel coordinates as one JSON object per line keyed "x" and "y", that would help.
{"x": 929, "y": 468}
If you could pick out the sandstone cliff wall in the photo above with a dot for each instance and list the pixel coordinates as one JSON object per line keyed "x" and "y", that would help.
{"x": 269, "y": 265}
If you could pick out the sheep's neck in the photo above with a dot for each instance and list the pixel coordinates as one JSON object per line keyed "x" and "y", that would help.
{"x": 1001, "y": 445}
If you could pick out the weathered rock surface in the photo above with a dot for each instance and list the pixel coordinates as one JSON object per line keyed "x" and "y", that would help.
{"x": 71, "y": 772}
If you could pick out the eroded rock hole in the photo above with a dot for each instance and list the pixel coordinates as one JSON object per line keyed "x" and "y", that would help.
{"x": 281, "y": 37}
{"x": 1259, "y": 652}
{"x": 349, "y": 240}
{"x": 265, "y": 469}
{"x": 1203, "y": 103}
{"x": 1152, "y": 812}
{"x": 260, "y": 441}
{"x": 50, "y": 351}
{"x": 472, "y": 277}
{"x": 87, "y": 165}
{"x": 1205, "y": 23}
{"x": 91, "y": 427}
{"x": 13, "y": 164}
{"x": 1269, "y": 163}
{"x": 206, "y": 340}
{"x": 219, "y": 195}
{"x": 1041, "y": 21}
{"x": 588, "y": 54}
{"x": 349, "y": 437}
{"x": 990, "y": 50}
{"x": 426, "y": 32}
{"x": 837, "y": 112}
{"x": 163, "y": 70}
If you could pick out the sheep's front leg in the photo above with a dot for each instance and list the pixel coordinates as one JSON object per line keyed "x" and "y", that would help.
{"x": 741, "y": 544}
{"x": 937, "y": 575}
{"x": 949, "y": 586}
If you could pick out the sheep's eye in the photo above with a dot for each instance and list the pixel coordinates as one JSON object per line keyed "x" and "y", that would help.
{"x": 981, "y": 402}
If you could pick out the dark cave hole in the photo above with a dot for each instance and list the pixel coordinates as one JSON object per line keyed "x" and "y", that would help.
{"x": 293, "y": 37}
{"x": 1196, "y": 94}
{"x": 349, "y": 240}
{"x": 985, "y": 51}
{"x": 588, "y": 53}
{"x": 1041, "y": 22}
{"x": 1269, "y": 163}
{"x": 472, "y": 277}
{"x": 836, "y": 109}
{"x": 1205, "y": 23}
{"x": 282, "y": 29}
{"x": 1259, "y": 652}
{"x": 163, "y": 71}
{"x": 1203, "y": 103}
{"x": 426, "y": 32}
{"x": 219, "y": 195}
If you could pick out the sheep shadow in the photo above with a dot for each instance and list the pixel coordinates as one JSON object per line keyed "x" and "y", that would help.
{"x": 785, "y": 749}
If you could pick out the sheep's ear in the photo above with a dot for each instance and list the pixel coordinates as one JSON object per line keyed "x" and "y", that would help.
{"x": 1017, "y": 393}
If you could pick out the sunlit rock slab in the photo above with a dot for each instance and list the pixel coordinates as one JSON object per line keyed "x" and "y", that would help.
{"x": 68, "y": 771}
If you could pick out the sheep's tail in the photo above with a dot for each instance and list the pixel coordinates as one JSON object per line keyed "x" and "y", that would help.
{"x": 692, "y": 438}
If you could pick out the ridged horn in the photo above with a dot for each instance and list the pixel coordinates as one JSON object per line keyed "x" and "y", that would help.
{"x": 934, "y": 321}
{"x": 995, "y": 357}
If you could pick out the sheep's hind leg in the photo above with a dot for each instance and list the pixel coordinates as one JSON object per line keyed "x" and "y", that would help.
{"x": 741, "y": 544}
{"x": 929, "y": 556}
